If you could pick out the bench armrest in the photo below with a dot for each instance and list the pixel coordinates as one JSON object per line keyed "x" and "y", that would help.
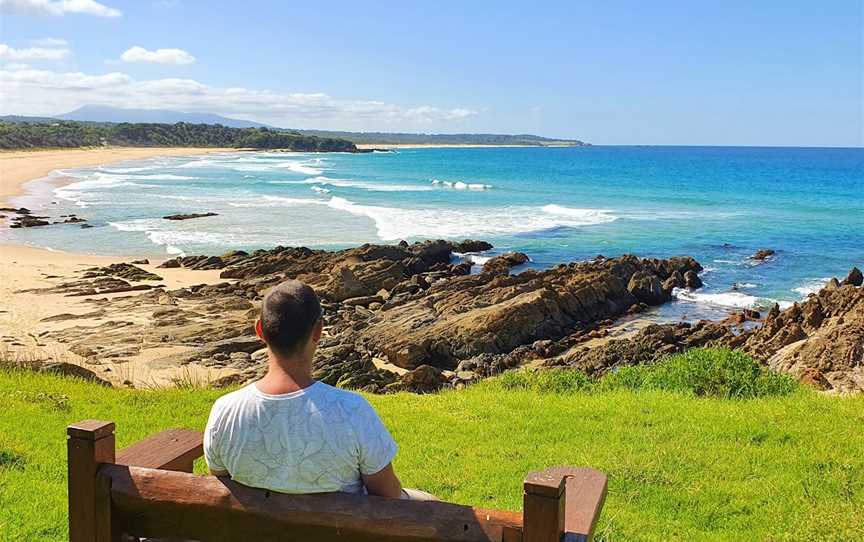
{"x": 174, "y": 449}
{"x": 579, "y": 491}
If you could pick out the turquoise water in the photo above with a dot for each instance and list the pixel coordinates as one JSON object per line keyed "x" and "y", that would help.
{"x": 556, "y": 204}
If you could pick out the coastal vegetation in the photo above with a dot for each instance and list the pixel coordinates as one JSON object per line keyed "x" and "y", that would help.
{"x": 27, "y": 135}
{"x": 685, "y": 461}
{"x": 107, "y": 115}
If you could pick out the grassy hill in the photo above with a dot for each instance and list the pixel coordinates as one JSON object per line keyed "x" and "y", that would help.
{"x": 787, "y": 464}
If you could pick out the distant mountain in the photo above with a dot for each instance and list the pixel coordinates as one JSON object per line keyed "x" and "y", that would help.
{"x": 104, "y": 113}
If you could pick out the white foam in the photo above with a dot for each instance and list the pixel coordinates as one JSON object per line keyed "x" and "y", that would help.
{"x": 461, "y": 185}
{"x": 302, "y": 167}
{"x": 125, "y": 169}
{"x": 729, "y": 300}
{"x": 473, "y": 257}
{"x": 164, "y": 177}
{"x": 811, "y": 286}
{"x": 319, "y": 190}
{"x": 164, "y": 233}
{"x": 348, "y": 183}
{"x": 393, "y": 223}
{"x": 580, "y": 216}
{"x": 735, "y": 300}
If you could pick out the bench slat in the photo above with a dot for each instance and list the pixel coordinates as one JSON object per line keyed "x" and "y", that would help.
{"x": 155, "y": 503}
{"x": 174, "y": 449}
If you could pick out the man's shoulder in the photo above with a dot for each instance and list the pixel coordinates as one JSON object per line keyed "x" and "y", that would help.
{"x": 345, "y": 397}
{"x": 230, "y": 399}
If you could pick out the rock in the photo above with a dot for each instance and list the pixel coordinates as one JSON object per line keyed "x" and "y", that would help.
{"x": 173, "y": 263}
{"x": 692, "y": 280}
{"x": 144, "y": 261}
{"x": 503, "y": 263}
{"x": 423, "y": 379}
{"x": 188, "y": 216}
{"x": 70, "y": 369}
{"x": 646, "y": 287}
{"x": 854, "y": 278}
{"x": 363, "y": 301}
{"x": 28, "y": 221}
{"x": 465, "y": 316}
{"x": 86, "y": 226}
{"x": 469, "y": 245}
{"x": 122, "y": 270}
{"x": 762, "y": 254}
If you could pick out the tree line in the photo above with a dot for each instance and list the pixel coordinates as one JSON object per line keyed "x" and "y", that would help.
{"x": 87, "y": 134}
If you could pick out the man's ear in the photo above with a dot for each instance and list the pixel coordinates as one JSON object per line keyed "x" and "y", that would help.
{"x": 317, "y": 331}
{"x": 258, "y": 330}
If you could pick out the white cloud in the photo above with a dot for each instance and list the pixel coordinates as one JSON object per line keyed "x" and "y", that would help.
{"x": 178, "y": 57}
{"x": 45, "y": 92}
{"x": 33, "y": 53}
{"x": 56, "y": 7}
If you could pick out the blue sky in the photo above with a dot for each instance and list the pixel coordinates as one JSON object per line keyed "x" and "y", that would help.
{"x": 746, "y": 73}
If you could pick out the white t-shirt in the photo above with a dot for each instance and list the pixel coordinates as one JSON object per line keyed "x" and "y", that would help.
{"x": 319, "y": 439}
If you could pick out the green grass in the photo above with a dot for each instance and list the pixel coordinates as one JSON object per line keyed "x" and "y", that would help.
{"x": 788, "y": 465}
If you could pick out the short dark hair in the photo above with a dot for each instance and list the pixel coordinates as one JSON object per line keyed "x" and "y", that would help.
{"x": 288, "y": 316}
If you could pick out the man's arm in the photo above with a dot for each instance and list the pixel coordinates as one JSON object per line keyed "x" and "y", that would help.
{"x": 383, "y": 483}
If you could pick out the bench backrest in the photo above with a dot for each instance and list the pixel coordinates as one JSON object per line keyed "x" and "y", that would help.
{"x": 148, "y": 490}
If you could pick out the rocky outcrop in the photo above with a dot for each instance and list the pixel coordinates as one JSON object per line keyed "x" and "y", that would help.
{"x": 412, "y": 306}
{"x": 24, "y": 218}
{"x": 762, "y": 254}
{"x": 188, "y": 216}
{"x": 470, "y": 245}
{"x": 503, "y": 263}
{"x": 466, "y": 316}
{"x": 122, "y": 270}
{"x": 820, "y": 341}
{"x": 648, "y": 345}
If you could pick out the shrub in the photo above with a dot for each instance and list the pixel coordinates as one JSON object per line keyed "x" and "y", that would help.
{"x": 701, "y": 372}
{"x": 546, "y": 381}
{"x": 704, "y": 372}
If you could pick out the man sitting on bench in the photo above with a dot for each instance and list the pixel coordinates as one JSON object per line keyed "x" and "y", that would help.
{"x": 291, "y": 434}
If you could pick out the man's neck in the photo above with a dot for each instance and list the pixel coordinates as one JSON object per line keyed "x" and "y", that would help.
{"x": 286, "y": 376}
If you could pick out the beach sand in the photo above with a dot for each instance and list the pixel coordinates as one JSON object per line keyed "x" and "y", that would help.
{"x": 20, "y": 167}
{"x": 23, "y": 268}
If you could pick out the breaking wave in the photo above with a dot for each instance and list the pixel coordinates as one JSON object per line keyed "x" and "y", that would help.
{"x": 394, "y": 223}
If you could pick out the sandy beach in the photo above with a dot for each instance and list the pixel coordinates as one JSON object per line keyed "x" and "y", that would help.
{"x": 20, "y": 167}
{"x": 25, "y": 268}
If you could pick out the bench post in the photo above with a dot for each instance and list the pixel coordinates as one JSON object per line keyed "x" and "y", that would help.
{"x": 543, "y": 507}
{"x": 90, "y": 443}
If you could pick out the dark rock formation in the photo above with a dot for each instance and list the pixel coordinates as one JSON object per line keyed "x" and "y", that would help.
{"x": 503, "y": 263}
{"x": 188, "y": 216}
{"x": 470, "y": 245}
{"x": 762, "y": 254}
{"x": 854, "y": 278}
{"x": 466, "y": 316}
{"x": 122, "y": 270}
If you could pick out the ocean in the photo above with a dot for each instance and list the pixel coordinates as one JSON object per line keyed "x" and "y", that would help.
{"x": 717, "y": 204}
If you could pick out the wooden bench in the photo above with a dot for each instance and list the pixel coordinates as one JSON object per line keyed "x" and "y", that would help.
{"x": 148, "y": 490}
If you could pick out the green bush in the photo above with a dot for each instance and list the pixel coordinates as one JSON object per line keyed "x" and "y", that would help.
{"x": 701, "y": 372}
{"x": 546, "y": 381}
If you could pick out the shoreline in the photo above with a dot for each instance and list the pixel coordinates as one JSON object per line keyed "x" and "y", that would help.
{"x": 17, "y": 168}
